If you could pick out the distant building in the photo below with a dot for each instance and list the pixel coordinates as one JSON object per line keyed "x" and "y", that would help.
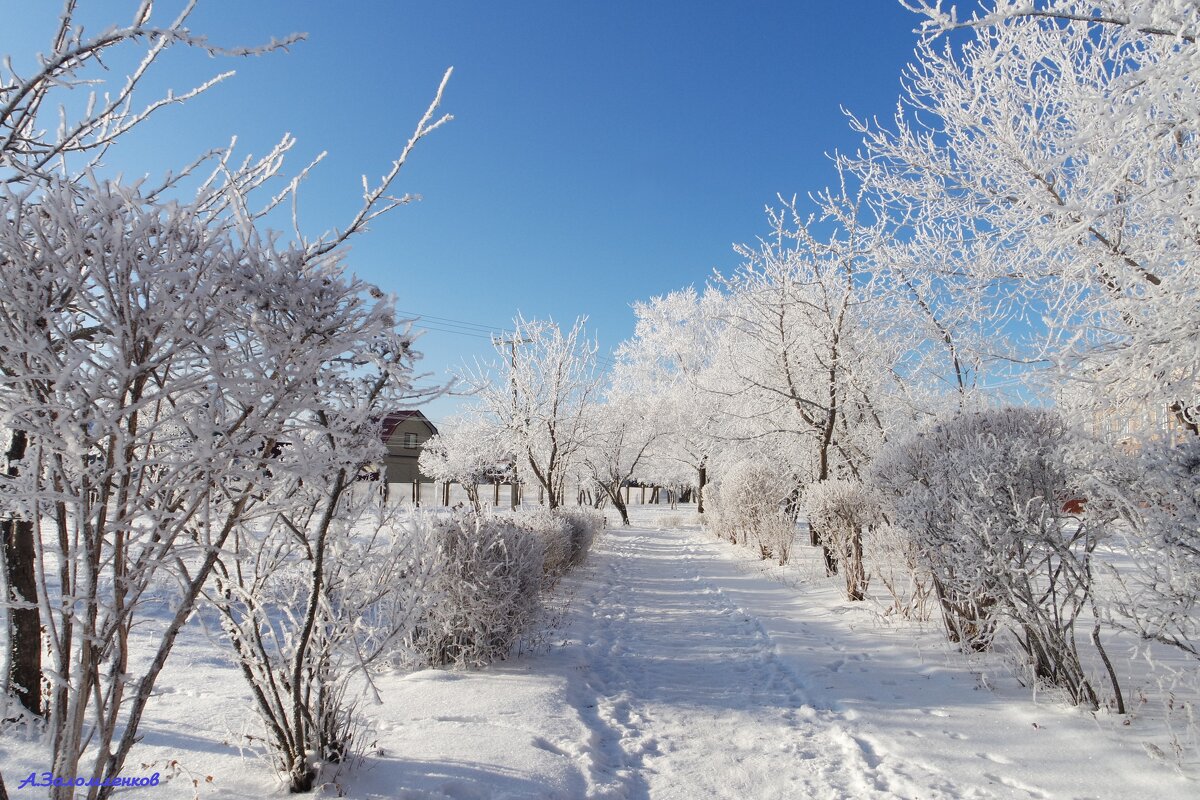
{"x": 1128, "y": 424}
{"x": 404, "y": 433}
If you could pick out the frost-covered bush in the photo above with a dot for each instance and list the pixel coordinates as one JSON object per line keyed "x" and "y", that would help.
{"x": 553, "y": 531}
{"x": 308, "y": 600}
{"x": 582, "y": 526}
{"x": 775, "y": 536}
{"x": 672, "y": 521}
{"x": 895, "y": 562}
{"x": 981, "y": 494}
{"x": 714, "y": 520}
{"x": 566, "y": 535}
{"x": 841, "y": 509}
{"x": 1156, "y": 494}
{"x": 750, "y": 499}
{"x": 487, "y": 585}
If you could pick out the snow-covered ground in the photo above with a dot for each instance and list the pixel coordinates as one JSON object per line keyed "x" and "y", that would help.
{"x": 681, "y": 668}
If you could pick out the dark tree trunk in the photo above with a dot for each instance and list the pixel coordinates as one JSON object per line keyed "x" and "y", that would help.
{"x": 619, "y": 504}
{"x": 702, "y": 480}
{"x": 24, "y": 621}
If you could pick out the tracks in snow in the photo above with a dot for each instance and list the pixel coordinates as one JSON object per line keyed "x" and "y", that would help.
{"x": 685, "y": 695}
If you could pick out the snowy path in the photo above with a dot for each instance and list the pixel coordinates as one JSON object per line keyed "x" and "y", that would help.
{"x": 683, "y": 672}
{"x": 686, "y": 696}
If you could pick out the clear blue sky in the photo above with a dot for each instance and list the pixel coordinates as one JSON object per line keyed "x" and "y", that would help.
{"x": 601, "y": 152}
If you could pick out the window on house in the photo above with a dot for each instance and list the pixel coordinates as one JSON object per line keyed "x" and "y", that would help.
{"x": 410, "y": 440}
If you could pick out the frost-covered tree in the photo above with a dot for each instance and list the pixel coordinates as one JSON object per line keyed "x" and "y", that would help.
{"x": 797, "y": 348}
{"x": 1047, "y": 155}
{"x": 157, "y": 354}
{"x": 159, "y": 367}
{"x": 466, "y": 450}
{"x": 799, "y": 363}
{"x": 670, "y": 351}
{"x": 623, "y": 428}
{"x": 45, "y": 133}
{"x": 538, "y": 394}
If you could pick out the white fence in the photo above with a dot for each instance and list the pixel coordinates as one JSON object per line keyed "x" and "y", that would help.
{"x": 503, "y": 495}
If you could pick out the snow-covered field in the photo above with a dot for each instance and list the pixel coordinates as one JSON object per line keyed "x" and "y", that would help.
{"x": 682, "y": 667}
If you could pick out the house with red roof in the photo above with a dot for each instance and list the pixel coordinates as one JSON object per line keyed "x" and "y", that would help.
{"x": 403, "y": 433}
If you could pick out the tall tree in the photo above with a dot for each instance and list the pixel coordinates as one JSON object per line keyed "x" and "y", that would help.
{"x": 155, "y": 354}
{"x": 539, "y": 393}
{"x": 1054, "y": 149}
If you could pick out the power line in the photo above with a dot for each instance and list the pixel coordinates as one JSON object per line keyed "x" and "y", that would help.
{"x": 422, "y": 327}
{"x": 476, "y": 330}
{"x": 457, "y": 322}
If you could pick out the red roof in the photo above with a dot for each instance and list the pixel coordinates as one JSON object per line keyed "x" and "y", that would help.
{"x": 394, "y": 418}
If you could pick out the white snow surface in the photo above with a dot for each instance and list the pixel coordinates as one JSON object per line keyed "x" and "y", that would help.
{"x": 682, "y": 668}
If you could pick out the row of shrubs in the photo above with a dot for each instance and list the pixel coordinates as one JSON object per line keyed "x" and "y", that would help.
{"x": 388, "y": 587}
{"x": 491, "y": 574}
{"x": 1006, "y": 522}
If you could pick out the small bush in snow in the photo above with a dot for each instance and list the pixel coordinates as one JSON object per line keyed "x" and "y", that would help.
{"x": 672, "y": 521}
{"x": 714, "y": 520}
{"x": 775, "y": 536}
{"x": 982, "y": 496}
{"x": 488, "y": 585}
{"x": 841, "y": 509}
{"x": 1156, "y": 493}
{"x": 750, "y": 499}
{"x": 895, "y": 561}
{"x": 313, "y": 595}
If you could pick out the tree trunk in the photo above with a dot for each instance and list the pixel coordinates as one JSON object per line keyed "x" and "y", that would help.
{"x": 24, "y": 620}
{"x": 619, "y": 505}
{"x": 702, "y": 480}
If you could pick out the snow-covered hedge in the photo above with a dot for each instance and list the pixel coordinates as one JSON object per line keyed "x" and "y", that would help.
{"x": 566, "y": 535}
{"x": 982, "y": 495}
{"x": 487, "y": 584}
{"x": 488, "y": 579}
{"x": 554, "y": 533}
{"x": 582, "y": 526}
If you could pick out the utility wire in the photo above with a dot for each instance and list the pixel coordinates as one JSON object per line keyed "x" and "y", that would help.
{"x": 474, "y": 330}
{"x": 456, "y": 322}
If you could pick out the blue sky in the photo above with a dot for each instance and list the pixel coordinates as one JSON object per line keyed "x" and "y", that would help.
{"x": 601, "y": 152}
